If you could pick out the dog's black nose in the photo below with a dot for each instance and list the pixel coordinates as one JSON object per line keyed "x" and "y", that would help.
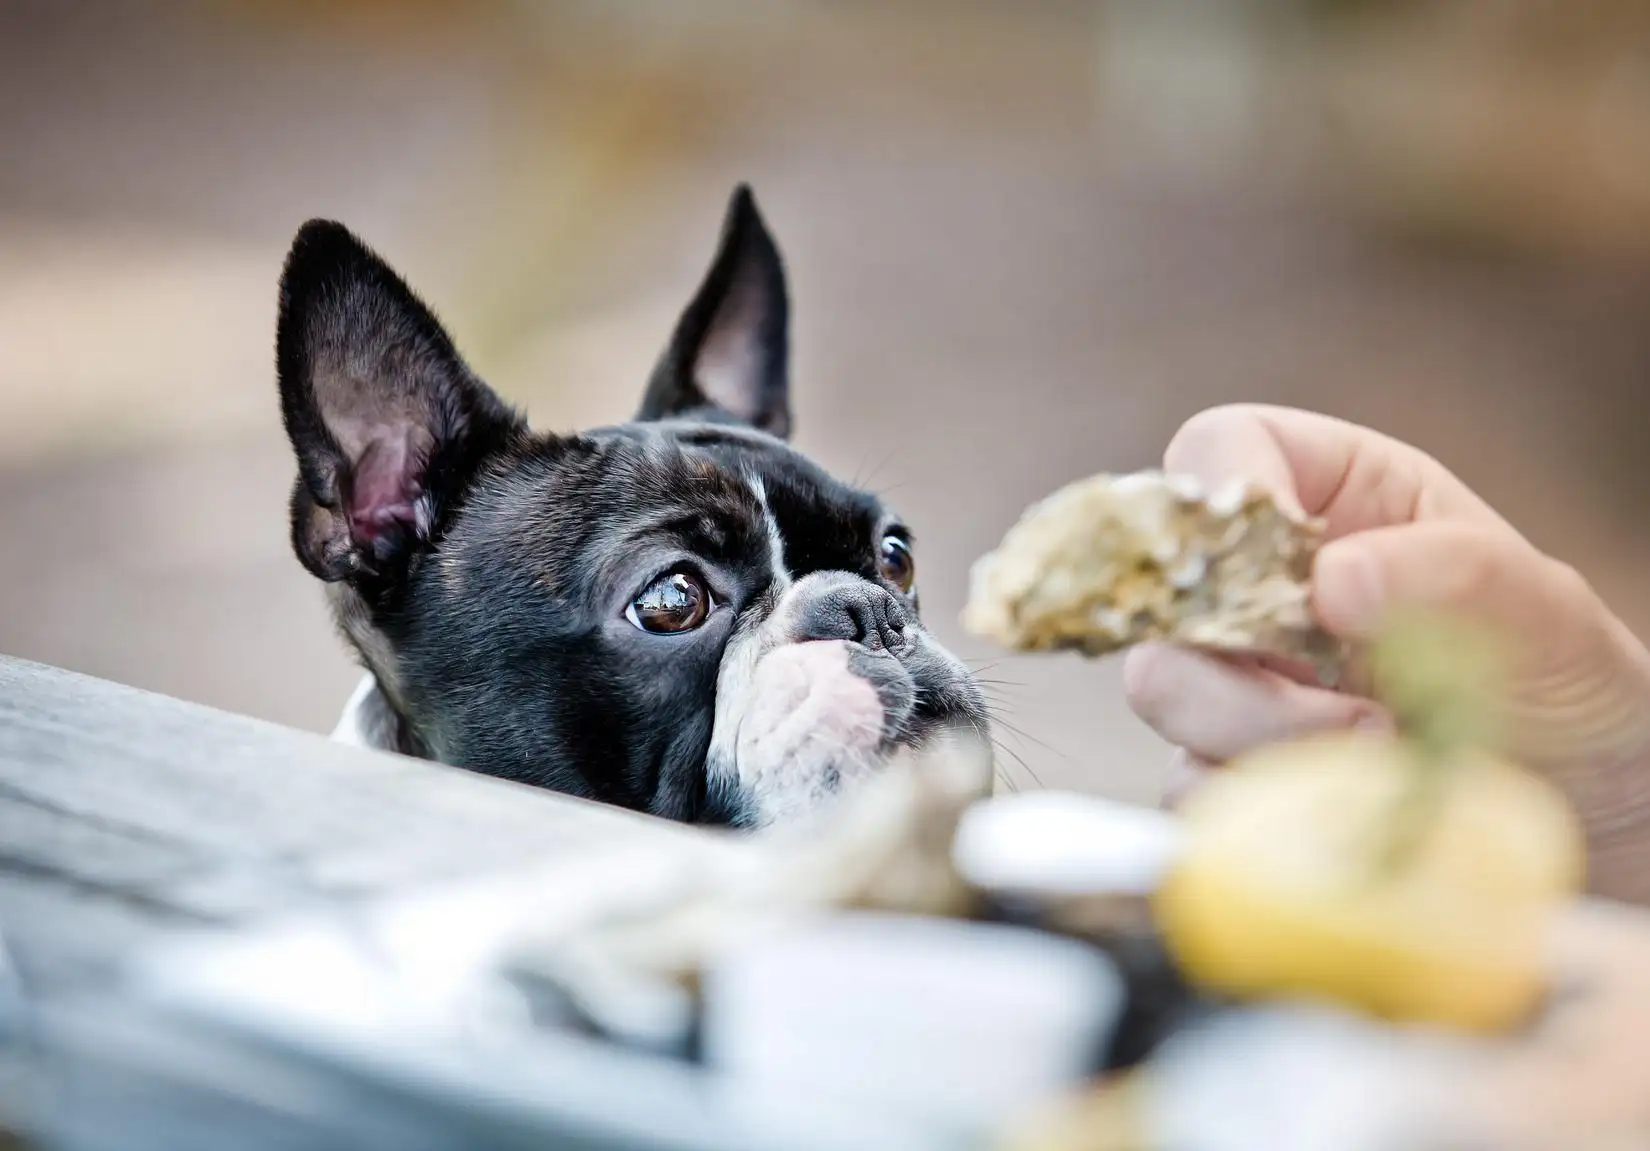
{"x": 855, "y": 610}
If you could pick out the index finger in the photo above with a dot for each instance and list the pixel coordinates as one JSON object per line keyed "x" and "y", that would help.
{"x": 1353, "y": 477}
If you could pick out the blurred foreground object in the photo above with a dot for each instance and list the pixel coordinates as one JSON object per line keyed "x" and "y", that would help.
{"x": 396, "y": 986}
{"x": 1292, "y": 1078}
{"x": 1285, "y": 888}
{"x": 636, "y": 972}
{"x": 959, "y": 1024}
{"x": 1411, "y": 875}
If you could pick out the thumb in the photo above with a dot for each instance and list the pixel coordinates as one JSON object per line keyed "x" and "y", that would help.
{"x": 1473, "y": 570}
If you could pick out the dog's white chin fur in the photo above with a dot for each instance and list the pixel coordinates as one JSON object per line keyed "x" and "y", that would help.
{"x": 809, "y": 727}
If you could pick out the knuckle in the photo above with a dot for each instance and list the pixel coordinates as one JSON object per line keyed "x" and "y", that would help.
{"x": 1569, "y": 586}
{"x": 1485, "y": 570}
{"x": 1472, "y": 568}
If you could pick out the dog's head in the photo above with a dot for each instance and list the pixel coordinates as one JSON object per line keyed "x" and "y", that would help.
{"x": 681, "y": 615}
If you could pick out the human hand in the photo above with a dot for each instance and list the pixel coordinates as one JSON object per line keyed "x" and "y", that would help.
{"x": 1404, "y": 532}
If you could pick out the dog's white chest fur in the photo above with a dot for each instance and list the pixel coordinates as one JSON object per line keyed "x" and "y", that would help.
{"x": 367, "y": 720}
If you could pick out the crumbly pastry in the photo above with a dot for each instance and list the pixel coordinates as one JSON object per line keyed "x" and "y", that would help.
{"x": 1113, "y": 561}
{"x": 884, "y": 846}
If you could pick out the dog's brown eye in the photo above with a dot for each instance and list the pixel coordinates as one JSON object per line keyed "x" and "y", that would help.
{"x": 896, "y": 564}
{"x": 672, "y": 603}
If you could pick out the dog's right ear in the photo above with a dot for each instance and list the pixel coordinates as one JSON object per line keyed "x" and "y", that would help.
{"x": 387, "y": 422}
{"x": 729, "y": 355}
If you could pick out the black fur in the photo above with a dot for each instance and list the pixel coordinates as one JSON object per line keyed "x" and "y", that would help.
{"x": 483, "y": 571}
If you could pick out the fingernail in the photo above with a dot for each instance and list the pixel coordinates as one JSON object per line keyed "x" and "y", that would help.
{"x": 1347, "y": 590}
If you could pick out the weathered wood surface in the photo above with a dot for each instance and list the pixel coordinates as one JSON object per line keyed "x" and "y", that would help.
{"x": 125, "y": 816}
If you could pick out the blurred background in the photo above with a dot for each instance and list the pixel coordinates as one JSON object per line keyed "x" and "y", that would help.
{"x": 1025, "y": 239}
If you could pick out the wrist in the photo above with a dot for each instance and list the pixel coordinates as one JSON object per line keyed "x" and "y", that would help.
{"x": 1613, "y": 800}
{"x": 1580, "y": 715}
{"x": 1605, "y": 769}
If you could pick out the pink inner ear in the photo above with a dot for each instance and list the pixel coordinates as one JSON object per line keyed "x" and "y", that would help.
{"x": 729, "y": 366}
{"x": 384, "y": 487}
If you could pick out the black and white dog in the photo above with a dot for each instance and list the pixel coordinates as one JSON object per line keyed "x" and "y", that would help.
{"x": 681, "y": 615}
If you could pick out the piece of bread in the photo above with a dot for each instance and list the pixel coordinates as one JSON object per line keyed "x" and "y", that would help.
{"x": 1113, "y": 561}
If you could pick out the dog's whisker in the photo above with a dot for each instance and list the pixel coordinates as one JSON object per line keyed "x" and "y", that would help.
{"x": 999, "y": 682}
{"x": 1001, "y": 724}
{"x": 1022, "y": 762}
{"x": 995, "y": 708}
{"x": 985, "y": 663}
{"x": 859, "y": 469}
{"x": 1019, "y": 759}
{"x": 882, "y": 463}
{"x": 1029, "y": 738}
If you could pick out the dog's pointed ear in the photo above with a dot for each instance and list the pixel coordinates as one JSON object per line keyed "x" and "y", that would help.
{"x": 729, "y": 356}
{"x": 387, "y": 422}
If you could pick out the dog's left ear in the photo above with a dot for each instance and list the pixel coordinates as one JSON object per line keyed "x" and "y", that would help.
{"x": 387, "y": 423}
{"x": 729, "y": 356}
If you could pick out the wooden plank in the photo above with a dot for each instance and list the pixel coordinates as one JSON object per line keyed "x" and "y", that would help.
{"x": 126, "y": 815}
